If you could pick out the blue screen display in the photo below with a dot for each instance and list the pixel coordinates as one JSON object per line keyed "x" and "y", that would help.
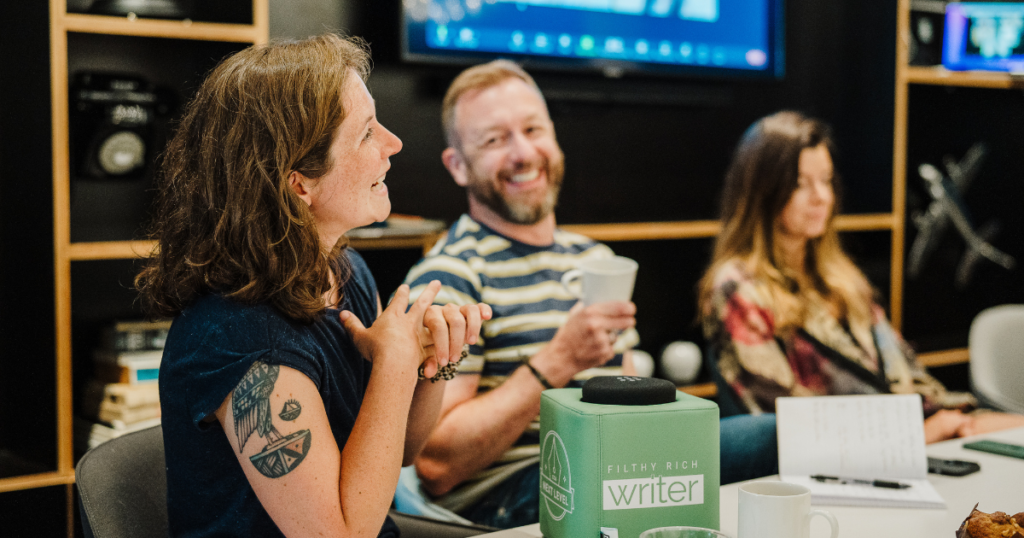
{"x": 984, "y": 36}
{"x": 739, "y": 36}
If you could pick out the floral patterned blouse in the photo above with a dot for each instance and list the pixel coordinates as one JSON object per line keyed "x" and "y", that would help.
{"x": 824, "y": 357}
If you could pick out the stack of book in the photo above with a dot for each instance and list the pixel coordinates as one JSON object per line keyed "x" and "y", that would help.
{"x": 123, "y": 395}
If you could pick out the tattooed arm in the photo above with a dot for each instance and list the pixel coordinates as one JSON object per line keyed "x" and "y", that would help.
{"x": 306, "y": 483}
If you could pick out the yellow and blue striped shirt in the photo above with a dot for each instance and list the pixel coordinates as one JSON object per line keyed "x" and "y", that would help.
{"x": 522, "y": 284}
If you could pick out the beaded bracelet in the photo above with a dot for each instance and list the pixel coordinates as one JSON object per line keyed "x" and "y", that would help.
{"x": 448, "y": 371}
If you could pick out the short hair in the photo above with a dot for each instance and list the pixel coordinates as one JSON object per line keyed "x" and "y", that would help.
{"x": 226, "y": 219}
{"x": 476, "y": 78}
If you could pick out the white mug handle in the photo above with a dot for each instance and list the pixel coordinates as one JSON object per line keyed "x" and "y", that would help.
{"x": 832, "y": 523}
{"x": 567, "y": 280}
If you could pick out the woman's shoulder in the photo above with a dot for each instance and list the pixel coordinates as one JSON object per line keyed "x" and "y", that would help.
{"x": 213, "y": 319}
{"x": 731, "y": 275}
{"x": 735, "y": 279}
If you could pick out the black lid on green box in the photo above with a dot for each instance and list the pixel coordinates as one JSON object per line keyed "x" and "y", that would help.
{"x": 628, "y": 390}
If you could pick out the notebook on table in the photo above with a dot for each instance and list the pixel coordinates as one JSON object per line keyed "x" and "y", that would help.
{"x": 854, "y": 443}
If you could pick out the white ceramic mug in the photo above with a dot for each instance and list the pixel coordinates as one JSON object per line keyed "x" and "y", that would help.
{"x": 603, "y": 279}
{"x": 778, "y": 510}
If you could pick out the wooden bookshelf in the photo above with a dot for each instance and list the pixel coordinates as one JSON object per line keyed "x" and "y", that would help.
{"x": 62, "y": 59}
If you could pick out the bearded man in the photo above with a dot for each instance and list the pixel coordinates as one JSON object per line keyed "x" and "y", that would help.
{"x": 481, "y": 461}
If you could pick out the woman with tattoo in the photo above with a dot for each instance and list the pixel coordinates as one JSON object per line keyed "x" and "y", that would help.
{"x": 290, "y": 399}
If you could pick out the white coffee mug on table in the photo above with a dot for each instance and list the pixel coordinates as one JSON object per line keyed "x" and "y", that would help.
{"x": 778, "y": 510}
{"x": 602, "y": 280}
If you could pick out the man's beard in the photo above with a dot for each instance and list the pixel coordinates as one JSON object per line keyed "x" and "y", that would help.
{"x": 485, "y": 191}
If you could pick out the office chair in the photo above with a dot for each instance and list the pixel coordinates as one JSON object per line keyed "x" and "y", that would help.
{"x": 122, "y": 491}
{"x": 996, "y": 345}
{"x": 122, "y": 487}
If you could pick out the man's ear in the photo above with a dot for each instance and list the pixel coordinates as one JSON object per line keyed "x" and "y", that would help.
{"x": 300, "y": 185}
{"x": 456, "y": 165}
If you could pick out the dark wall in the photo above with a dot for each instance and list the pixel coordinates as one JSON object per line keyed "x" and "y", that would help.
{"x": 648, "y": 149}
{"x": 27, "y": 353}
{"x": 944, "y": 123}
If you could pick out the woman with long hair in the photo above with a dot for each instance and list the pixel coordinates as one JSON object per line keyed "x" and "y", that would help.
{"x": 785, "y": 309}
{"x": 283, "y": 414}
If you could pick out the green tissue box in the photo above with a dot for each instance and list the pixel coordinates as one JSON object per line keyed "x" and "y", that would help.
{"x": 618, "y": 470}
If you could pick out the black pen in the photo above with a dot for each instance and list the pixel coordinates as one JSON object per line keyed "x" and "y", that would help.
{"x": 875, "y": 483}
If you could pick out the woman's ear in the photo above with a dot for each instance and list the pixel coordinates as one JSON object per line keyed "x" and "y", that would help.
{"x": 300, "y": 184}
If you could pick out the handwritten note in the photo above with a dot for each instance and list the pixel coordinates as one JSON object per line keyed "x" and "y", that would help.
{"x": 867, "y": 437}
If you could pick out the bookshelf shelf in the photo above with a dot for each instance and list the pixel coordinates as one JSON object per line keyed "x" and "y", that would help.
{"x": 940, "y": 76}
{"x": 944, "y": 358}
{"x": 633, "y": 231}
{"x": 646, "y": 231}
{"x": 32, "y": 481}
{"x": 703, "y": 390}
{"x": 196, "y": 31}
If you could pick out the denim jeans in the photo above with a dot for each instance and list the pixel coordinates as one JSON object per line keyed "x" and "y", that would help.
{"x": 748, "y": 450}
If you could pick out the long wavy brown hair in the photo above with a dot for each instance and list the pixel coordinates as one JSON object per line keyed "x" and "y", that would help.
{"x": 226, "y": 219}
{"x": 760, "y": 181}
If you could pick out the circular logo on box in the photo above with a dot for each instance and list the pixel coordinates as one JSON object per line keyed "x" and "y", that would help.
{"x": 555, "y": 478}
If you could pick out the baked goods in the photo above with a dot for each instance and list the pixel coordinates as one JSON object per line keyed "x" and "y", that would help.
{"x": 995, "y": 525}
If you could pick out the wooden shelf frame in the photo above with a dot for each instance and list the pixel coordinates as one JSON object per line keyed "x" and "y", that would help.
{"x": 186, "y": 29}
{"x": 940, "y": 76}
{"x": 946, "y": 357}
{"x": 632, "y": 231}
{"x": 696, "y": 229}
{"x": 40, "y": 480}
{"x": 61, "y": 24}
{"x": 906, "y": 75}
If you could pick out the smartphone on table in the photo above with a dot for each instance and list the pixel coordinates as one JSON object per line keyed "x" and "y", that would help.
{"x": 952, "y": 467}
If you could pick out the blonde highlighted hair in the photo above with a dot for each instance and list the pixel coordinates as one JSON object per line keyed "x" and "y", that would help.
{"x": 477, "y": 78}
{"x": 758, "y": 184}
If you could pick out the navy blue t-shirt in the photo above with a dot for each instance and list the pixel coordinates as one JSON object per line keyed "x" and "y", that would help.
{"x": 210, "y": 347}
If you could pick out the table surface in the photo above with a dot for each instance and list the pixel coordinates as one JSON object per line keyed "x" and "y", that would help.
{"x": 997, "y": 487}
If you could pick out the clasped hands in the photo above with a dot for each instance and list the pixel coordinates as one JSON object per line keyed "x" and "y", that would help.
{"x": 421, "y": 334}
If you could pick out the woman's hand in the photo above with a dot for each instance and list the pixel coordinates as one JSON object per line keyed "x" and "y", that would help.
{"x": 946, "y": 424}
{"x": 396, "y": 333}
{"x": 446, "y": 329}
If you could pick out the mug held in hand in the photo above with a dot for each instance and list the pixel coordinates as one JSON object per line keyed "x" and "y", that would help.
{"x": 602, "y": 280}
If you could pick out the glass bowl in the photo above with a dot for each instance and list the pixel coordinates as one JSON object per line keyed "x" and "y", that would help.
{"x": 682, "y": 532}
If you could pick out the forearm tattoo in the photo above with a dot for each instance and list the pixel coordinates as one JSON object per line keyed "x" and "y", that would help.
{"x": 250, "y": 408}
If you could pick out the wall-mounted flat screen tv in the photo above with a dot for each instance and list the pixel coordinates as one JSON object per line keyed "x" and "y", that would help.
{"x": 616, "y": 37}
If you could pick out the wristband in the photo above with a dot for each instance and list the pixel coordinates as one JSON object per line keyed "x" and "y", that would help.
{"x": 540, "y": 377}
{"x": 448, "y": 371}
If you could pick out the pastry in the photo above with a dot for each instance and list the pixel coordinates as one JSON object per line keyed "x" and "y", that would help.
{"x": 995, "y": 525}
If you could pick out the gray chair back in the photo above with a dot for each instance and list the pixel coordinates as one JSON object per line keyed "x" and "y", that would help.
{"x": 996, "y": 345}
{"x": 122, "y": 491}
{"x": 122, "y": 487}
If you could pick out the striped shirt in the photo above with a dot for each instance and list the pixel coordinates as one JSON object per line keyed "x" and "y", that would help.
{"x": 522, "y": 284}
